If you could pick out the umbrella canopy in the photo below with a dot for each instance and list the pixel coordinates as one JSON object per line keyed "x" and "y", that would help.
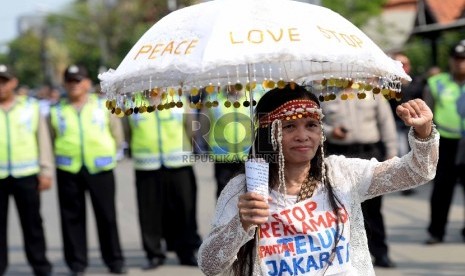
{"x": 248, "y": 42}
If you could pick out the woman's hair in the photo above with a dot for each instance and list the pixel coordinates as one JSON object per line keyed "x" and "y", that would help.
{"x": 264, "y": 149}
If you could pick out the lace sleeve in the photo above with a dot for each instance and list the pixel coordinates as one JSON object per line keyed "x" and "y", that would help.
{"x": 218, "y": 250}
{"x": 415, "y": 168}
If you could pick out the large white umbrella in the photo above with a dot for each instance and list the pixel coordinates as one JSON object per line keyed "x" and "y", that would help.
{"x": 251, "y": 41}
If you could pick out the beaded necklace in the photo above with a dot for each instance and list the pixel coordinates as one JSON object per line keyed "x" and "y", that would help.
{"x": 307, "y": 189}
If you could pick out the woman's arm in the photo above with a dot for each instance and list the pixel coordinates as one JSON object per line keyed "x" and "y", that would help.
{"x": 414, "y": 169}
{"x": 419, "y": 165}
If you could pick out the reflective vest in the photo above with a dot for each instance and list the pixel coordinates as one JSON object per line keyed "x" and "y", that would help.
{"x": 230, "y": 130}
{"x": 19, "y": 154}
{"x": 449, "y": 105}
{"x": 83, "y": 138}
{"x": 159, "y": 139}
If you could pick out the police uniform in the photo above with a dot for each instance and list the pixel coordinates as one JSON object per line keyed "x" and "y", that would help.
{"x": 85, "y": 144}
{"x": 25, "y": 153}
{"x": 166, "y": 185}
{"x": 449, "y": 117}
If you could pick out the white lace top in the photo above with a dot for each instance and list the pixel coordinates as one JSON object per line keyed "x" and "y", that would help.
{"x": 353, "y": 180}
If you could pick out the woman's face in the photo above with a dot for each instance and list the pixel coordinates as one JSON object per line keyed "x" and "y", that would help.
{"x": 301, "y": 139}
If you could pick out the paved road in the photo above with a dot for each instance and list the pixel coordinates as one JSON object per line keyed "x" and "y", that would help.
{"x": 406, "y": 219}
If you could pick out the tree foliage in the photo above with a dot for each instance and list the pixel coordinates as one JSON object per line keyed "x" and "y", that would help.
{"x": 3, "y": 58}
{"x": 356, "y": 11}
{"x": 25, "y": 55}
{"x": 419, "y": 50}
{"x": 97, "y": 34}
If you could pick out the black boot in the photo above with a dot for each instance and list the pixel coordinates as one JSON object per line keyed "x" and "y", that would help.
{"x": 384, "y": 261}
{"x": 154, "y": 263}
{"x": 187, "y": 257}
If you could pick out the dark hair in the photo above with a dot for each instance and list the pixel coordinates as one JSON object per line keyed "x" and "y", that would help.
{"x": 263, "y": 149}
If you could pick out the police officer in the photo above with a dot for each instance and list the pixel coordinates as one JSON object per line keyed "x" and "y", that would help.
{"x": 26, "y": 168}
{"x": 165, "y": 183}
{"x": 445, "y": 95}
{"x": 86, "y": 138}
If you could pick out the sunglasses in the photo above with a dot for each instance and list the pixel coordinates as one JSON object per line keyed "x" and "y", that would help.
{"x": 73, "y": 80}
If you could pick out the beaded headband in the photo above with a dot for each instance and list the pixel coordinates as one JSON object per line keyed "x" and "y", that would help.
{"x": 292, "y": 110}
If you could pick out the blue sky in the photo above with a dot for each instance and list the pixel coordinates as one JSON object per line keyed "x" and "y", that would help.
{"x": 12, "y": 9}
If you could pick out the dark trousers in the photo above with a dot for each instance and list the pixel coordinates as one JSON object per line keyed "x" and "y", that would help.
{"x": 27, "y": 198}
{"x": 374, "y": 226}
{"x": 371, "y": 208}
{"x": 447, "y": 174}
{"x": 224, "y": 172}
{"x": 167, "y": 202}
{"x": 71, "y": 193}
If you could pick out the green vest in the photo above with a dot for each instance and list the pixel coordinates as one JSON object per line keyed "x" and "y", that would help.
{"x": 230, "y": 131}
{"x": 19, "y": 153}
{"x": 83, "y": 138}
{"x": 449, "y": 105}
{"x": 159, "y": 139}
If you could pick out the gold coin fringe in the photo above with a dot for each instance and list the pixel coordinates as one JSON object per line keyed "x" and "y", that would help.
{"x": 139, "y": 102}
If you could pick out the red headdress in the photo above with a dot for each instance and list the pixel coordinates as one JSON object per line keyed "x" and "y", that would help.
{"x": 292, "y": 110}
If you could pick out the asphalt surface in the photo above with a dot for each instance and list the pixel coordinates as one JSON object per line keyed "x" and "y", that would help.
{"x": 406, "y": 219}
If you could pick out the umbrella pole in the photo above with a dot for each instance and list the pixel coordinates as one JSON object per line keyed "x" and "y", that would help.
{"x": 251, "y": 106}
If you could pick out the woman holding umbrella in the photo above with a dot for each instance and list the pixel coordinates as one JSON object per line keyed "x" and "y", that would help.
{"x": 311, "y": 223}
